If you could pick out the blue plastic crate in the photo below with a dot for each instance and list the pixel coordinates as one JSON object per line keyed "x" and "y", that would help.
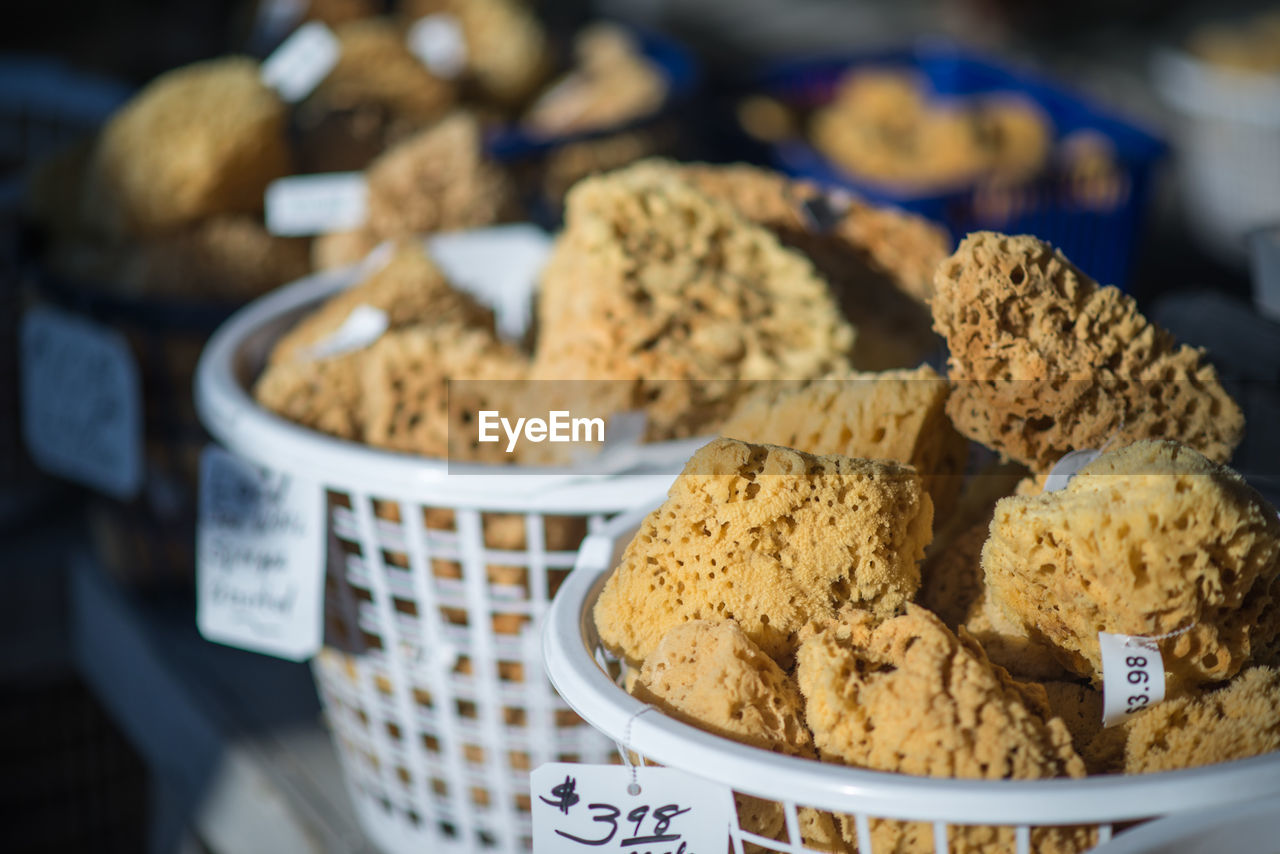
{"x": 1101, "y": 240}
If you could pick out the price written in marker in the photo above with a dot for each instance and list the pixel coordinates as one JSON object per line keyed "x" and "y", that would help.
{"x": 81, "y": 402}
{"x": 1132, "y": 675}
{"x": 600, "y": 808}
{"x": 259, "y": 558}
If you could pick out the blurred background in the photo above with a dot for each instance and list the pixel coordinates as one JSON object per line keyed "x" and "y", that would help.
{"x": 1142, "y": 136}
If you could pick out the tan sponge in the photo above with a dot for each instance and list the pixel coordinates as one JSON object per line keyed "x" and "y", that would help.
{"x": 906, "y": 695}
{"x": 1147, "y": 540}
{"x": 200, "y": 140}
{"x": 772, "y": 538}
{"x": 1045, "y": 361}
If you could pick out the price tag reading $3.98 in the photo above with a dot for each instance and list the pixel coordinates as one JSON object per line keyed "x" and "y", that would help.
{"x": 1132, "y": 676}
{"x": 593, "y": 808}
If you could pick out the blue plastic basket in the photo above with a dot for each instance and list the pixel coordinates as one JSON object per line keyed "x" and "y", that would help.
{"x": 1100, "y": 240}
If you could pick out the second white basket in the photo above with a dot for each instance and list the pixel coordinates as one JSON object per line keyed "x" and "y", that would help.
{"x": 578, "y": 667}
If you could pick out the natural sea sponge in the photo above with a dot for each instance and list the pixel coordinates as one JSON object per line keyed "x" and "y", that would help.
{"x": 376, "y": 68}
{"x": 439, "y": 179}
{"x": 892, "y": 415}
{"x": 409, "y": 288}
{"x": 709, "y": 674}
{"x": 772, "y": 538}
{"x": 1080, "y": 708}
{"x": 200, "y": 140}
{"x": 1045, "y": 361}
{"x": 323, "y": 394}
{"x": 1007, "y": 642}
{"x": 879, "y": 260}
{"x": 409, "y": 403}
{"x": 1146, "y": 540}
{"x": 678, "y": 300}
{"x": 906, "y": 695}
{"x": 1233, "y": 722}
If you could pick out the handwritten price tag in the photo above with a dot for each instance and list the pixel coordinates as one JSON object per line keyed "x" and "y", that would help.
{"x": 297, "y": 66}
{"x": 81, "y": 402}
{"x": 597, "y": 808}
{"x": 1132, "y": 676}
{"x": 259, "y": 558}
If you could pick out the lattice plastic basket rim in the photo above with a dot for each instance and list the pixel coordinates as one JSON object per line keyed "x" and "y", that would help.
{"x": 231, "y": 415}
{"x": 572, "y": 655}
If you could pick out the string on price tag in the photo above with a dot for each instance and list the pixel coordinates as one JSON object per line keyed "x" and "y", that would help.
{"x": 301, "y": 62}
{"x": 259, "y": 558}
{"x": 1132, "y": 675}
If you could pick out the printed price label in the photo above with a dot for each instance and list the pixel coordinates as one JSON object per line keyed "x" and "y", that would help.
{"x": 1068, "y": 467}
{"x": 1132, "y": 676}
{"x": 304, "y": 59}
{"x": 259, "y": 558}
{"x": 81, "y": 402}
{"x": 439, "y": 42}
{"x": 303, "y": 205}
{"x": 597, "y": 808}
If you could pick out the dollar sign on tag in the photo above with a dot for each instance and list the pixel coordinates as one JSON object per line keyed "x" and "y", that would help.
{"x": 563, "y": 796}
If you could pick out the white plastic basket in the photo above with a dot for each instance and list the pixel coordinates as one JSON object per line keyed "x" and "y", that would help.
{"x": 1228, "y": 147}
{"x": 431, "y": 677}
{"x": 579, "y": 669}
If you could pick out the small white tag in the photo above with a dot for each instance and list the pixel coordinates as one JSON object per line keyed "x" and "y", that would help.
{"x": 81, "y": 402}
{"x": 259, "y": 558}
{"x": 499, "y": 265}
{"x": 1068, "y": 467}
{"x": 598, "y": 808}
{"x": 1132, "y": 675}
{"x": 364, "y": 325}
{"x": 439, "y": 42}
{"x": 296, "y": 68}
{"x": 303, "y": 205}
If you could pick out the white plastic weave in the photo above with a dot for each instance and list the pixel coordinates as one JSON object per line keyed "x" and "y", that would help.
{"x": 1228, "y": 147}
{"x": 587, "y": 678}
{"x": 437, "y": 586}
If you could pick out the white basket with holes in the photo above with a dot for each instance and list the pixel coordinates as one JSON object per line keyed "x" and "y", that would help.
{"x": 437, "y": 584}
{"x": 1228, "y": 139}
{"x": 582, "y": 671}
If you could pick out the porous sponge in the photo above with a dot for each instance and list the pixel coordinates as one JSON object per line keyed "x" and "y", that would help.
{"x": 679, "y": 300}
{"x": 409, "y": 288}
{"x": 1045, "y": 361}
{"x": 709, "y": 674}
{"x": 200, "y": 140}
{"x": 893, "y": 415}
{"x": 907, "y": 695}
{"x": 1235, "y": 722}
{"x": 772, "y": 538}
{"x": 1146, "y": 540}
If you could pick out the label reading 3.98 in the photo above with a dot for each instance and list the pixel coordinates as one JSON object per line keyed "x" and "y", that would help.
{"x": 1132, "y": 675}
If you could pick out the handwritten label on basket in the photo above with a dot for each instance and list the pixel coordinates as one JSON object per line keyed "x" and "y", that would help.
{"x": 438, "y": 41}
{"x": 302, "y": 205}
{"x": 259, "y": 558}
{"x": 81, "y": 402}
{"x": 297, "y": 66}
{"x": 1132, "y": 675}
{"x": 615, "y": 808}
{"x": 1068, "y": 467}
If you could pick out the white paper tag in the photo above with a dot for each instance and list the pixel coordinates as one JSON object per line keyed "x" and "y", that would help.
{"x": 596, "y": 808}
{"x": 303, "y": 205}
{"x": 1068, "y": 467}
{"x": 500, "y": 266}
{"x": 297, "y": 66}
{"x": 364, "y": 325}
{"x": 1132, "y": 675}
{"x": 81, "y": 402}
{"x": 259, "y": 558}
{"x": 439, "y": 42}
